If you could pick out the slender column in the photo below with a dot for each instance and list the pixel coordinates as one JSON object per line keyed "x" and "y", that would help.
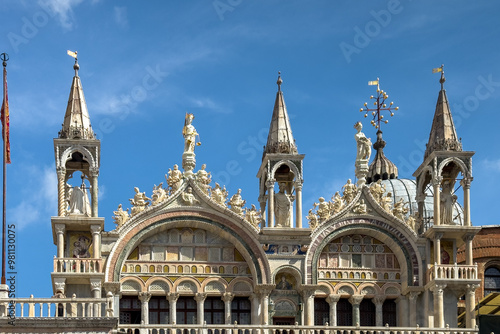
{"x": 96, "y": 237}
{"x": 402, "y": 311}
{"x": 437, "y": 248}
{"x": 298, "y": 204}
{"x": 60, "y": 229}
{"x": 308, "y": 297}
{"x": 200, "y": 301}
{"x": 61, "y": 191}
{"x": 413, "y": 307}
{"x": 333, "y": 300}
{"x": 379, "y": 315}
{"x": 94, "y": 190}
{"x": 466, "y": 185}
{"x": 438, "y": 291}
{"x": 144, "y": 297}
{"x": 355, "y": 300}
{"x": 114, "y": 289}
{"x": 470, "y": 305}
{"x": 270, "y": 211}
{"x": 436, "y": 183}
{"x": 468, "y": 249}
{"x": 255, "y": 305}
{"x": 172, "y": 302}
{"x": 263, "y": 292}
{"x": 95, "y": 286}
{"x": 421, "y": 204}
{"x": 227, "y": 298}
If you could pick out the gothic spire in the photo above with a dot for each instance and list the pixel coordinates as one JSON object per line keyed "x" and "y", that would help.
{"x": 381, "y": 167}
{"x": 443, "y": 136}
{"x": 76, "y": 123}
{"x": 280, "y": 138}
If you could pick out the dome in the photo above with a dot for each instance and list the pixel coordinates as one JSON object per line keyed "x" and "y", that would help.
{"x": 407, "y": 190}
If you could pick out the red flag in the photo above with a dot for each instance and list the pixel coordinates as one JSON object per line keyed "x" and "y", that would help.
{"x": 5, "y": 118}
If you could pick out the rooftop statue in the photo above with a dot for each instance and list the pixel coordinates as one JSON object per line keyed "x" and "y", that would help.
{"x": 253, "y": 216}
{"x": 282, "y": 203}
{"x": 203, "y": 178}
{"x": 349, "y": 191}
{"x": 448, "y": 200}
{"x": 219, "y": 195}
{"x": 377, "y": 189}
{"x": 159, "y": 194}
{"x": 313, "y": 219}
{"x": 189, "y": 133}
{"x": 120, "y": 216}
{"x": 174, "y": 178}
{"x": 188, "y": 197}
{"x": 337, "y": 203}
{"x": 79, "y": 203}
{"x": 139, "y": 202}
{"x": 364, "y": 150}
{"x": 400, "y": 210}
{"x": 237, "y": 203}
{"x": 323, "y": 209}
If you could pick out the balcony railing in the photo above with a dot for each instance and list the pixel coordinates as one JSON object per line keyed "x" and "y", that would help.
{"x": 283, "y": 329}
{"x": 76, "y": 265}
{"x": 453, "y": 272}
{"x": 57, "y": 307}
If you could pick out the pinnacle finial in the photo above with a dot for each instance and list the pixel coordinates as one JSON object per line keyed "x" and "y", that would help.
{"x": 76, "y": 67}
{"x": 280, "y": 81}
{"x": 442, "y": 79}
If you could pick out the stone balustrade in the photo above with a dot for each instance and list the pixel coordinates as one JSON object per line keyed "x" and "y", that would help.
{"x": 453, "y": 272}
{"x": 77, "y": 265}
{"x": 183, "y": 267}
{"x": 284, "y": 329}
{"x": 359, "y": 273}
{"x": 57, "y": 307}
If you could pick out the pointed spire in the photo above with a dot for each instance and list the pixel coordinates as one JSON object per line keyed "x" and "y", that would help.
{"x": 381, "y": 167}
{"x": 76, "y": 120}
{"x": 280, "y": 138}
{"x": 443, "y": 136}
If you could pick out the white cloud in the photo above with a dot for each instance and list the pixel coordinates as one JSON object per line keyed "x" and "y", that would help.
{"x": 491, "y": 164}
{"x": 120, "y": 16}
{"x": 63, "y": 9}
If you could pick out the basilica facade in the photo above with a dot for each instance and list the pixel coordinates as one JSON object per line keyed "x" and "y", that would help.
{"x": 381, "y": 252}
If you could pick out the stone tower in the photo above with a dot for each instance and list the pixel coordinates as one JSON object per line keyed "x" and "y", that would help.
{"x": 281, "y": 164}
{"x": 77, "y": 227}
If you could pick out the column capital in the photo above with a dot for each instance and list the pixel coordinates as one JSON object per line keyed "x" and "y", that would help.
{"x": 465, "y": 182}
{"x": 438, "y": 236}
{"x": 468, "y": 237}
{"x": 332, "y": 298}
{"x": 94, "y": 172}
{"x": 356, "y": 299}
{"x": 471, "y": 288}
{"x": 437, "y": 180}
{"x": 113, "y": 287}
{"x": 264, "y": 290}
{"x": 59, "y": 228}
{"x": 298, "y": 185}
{"x": 172, "y": 297}
{"x": 413, "y": 295}
{"x": 144, "y": 297}
{"x": 200, "y": 297}
{"x": 378, "y": 299}
{"x": 61, "y": 172}
{"x": 308, "y": 291}
{"x": 95, "y": 229}
{"x": 95, "y": 284}
{"x": 227, "y": 297}
{"x": 270, "y": 183}
{"x": 438, "y": 288}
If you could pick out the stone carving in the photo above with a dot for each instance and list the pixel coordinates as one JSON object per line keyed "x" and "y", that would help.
{"x": 79, "y": 201}
{"x": 188, "y": 197}
{"x": 139, "y": 202}
{"x": 377, "y": 189}
{"x": 237, "y": 203}
{"x": 120, "y": 216}
{"x": 364, "y": 151}
{"x": 219, "y": 195}
{"x": 174, "y": 178}
{"x": 159, "y": 194}
{"x": 323, "y": 210}
{"x": 337, "y": 203}
{"x": 399, "y": 210}
{"x": 386, "y": 202}
{"x": 349, "y": 191}
{"x": 313, "y": 219}
{"x": 414, "y": 221}
{"x": 360, "y": 207}
{"x": 253, "y": 216}
{"x": 203, "y": 179}
{"x": 282, "y": 203}
{"x": 189, "y": 133}
{"x": 448, "y": 200}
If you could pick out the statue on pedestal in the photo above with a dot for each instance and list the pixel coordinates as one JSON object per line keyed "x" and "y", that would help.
{"x": 282, "y": 203}
{"x": 364, "y": 150}
{"x": 174, "y": 178}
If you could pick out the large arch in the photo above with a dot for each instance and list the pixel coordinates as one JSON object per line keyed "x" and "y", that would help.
{"x": 405, "y": 250}
{"x": 245, "y": 243}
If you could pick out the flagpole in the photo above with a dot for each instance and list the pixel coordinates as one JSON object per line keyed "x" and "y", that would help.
{"x": 4, "y": 58}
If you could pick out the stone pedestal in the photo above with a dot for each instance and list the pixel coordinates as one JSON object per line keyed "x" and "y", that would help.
{"x": 361, "y": 171}
{"x": 188, "y": 163}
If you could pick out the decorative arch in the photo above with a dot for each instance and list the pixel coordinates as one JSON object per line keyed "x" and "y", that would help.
{"x": 87, "y": 155}
{"x": 403, "y": 248}
{"x": 212, "y": 280}
{"x": 155, "y": 280}
{"x": 461, "y": 165}
{"x": 133, "y": 280}
{"x": 372, "y": 285}
{"x": 238, "y": 283}
{"x": 345, "y": 285}
{"x": 289, "y": 270}
{"x": 290, "y": 164}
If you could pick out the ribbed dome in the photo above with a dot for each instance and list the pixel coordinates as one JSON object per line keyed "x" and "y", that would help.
{"x": 407, "y": 190}
{"x": 381, "y": 167}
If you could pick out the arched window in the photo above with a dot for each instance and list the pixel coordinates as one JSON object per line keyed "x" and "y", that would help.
{"x": 491, "y": 280}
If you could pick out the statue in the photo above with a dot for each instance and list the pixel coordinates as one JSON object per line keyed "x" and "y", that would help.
{"x": 360, "y": 208}
{"x": 219, "y": 195}
{"x": 174, "y": 178}
{"x": 253, "y": 216}
{"x": 399, "y": 210}
{"x": 448, "y": 201}
{"x": 323, "y": 209}
{"x": 159, "y": 194}
{"x": 313, "y": 219}
{"x": 364, "y": 145}
{"x": 203, "y": 179}
{"x": 349, "y": 191}
{"x": 386, "y": 202}
{"x": 414, "y": 221}
{"x": 139, "y": 202}
{"x": 189, "y": 133}
{"x": 377, "y": 189}
{"x": 237, "y": 203}
{"x": 120, "y": 216}
{"x": 282, "y": 203}
{"x": 337, "y": 203}
{"x": 188, "y": 197}
{"x": 79, "y": 201}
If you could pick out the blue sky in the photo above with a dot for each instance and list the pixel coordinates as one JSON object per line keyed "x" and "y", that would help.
{"x": 144, "y": 64}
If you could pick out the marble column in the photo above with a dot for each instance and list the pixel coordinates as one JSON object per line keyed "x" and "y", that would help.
{"x": 470, "y": 305}
{"x": 144, "y": 297}
{"x": 308, "y": 298}
{"x": 402, "y": 311}
{"x": 298, "y": 204}
{"x": 96, "y": 237}
{"x": 468, "y": 249}
{"x": 379, "y": 313}
{"x": 436, "y": 183}
{"x": 270, "y": 211}
{"x": 200, "y": 302}
{"x": 437, "y": 248}
{"x": 94, "y": 190}
{"x": 61, "y": 191}
{"x": 263, "y": 292}
{"x": 227, "y": 298}
{"x": 172, "y": 303}
{"x": 95, "y": 287}
{"x": 438, "y": 292}
{"x": 255, "y": 306}
{"x": 332, "y": 300}
{"x": 413, "y": 296}
{"x": 421, "y": 205}
{"x": 60, "y": 229}
{"x": 355, "y": 300}
{"x": 465, "y": 183}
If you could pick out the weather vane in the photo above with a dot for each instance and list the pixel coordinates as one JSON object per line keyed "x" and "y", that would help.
{"x": 380, "y": 105}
